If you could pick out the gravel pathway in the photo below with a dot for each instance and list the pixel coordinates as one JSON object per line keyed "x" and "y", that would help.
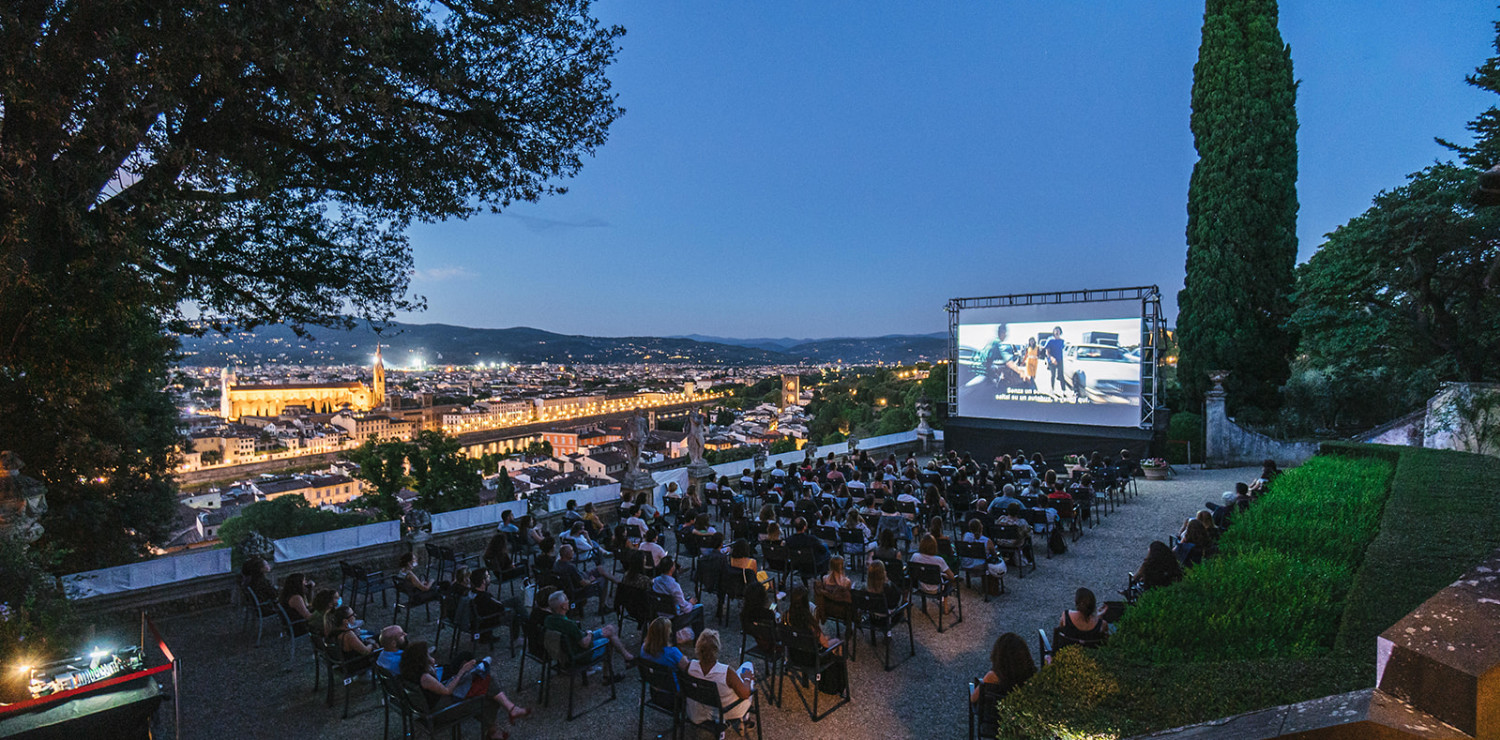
{"x": 233, "y": 689}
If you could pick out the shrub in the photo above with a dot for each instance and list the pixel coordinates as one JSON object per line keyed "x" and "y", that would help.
{"x": 287, "y": 516}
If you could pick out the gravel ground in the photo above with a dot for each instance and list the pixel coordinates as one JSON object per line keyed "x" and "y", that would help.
{"x": 233, "y": 689}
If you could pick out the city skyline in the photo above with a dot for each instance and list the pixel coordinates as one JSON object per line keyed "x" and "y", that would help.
{"x": 801, "y": 171}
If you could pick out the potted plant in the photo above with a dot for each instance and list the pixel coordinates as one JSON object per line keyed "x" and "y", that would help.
{"x": 1155, "y": 468}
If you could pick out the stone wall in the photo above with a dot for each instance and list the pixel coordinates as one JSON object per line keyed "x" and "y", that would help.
{"x": 1230, "y": 445}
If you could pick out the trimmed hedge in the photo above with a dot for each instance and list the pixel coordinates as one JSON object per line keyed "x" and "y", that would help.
{"x": 1442, "y": 524}
{"x": 1290, "y": 610}
{"x": 1277, "y": 586}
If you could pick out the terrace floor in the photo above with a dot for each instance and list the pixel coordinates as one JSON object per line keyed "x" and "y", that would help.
{"x": 233, "y": 689}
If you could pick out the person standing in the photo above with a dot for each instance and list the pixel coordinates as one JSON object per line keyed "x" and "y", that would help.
{"x": 1054, "y": 350}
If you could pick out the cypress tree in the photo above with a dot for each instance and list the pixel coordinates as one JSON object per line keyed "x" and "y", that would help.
{"x": 1242, "y": 208}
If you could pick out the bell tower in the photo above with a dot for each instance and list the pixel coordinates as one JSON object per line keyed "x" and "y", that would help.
{"x": 378, "y": 391}
{"x": 226, "y": 380}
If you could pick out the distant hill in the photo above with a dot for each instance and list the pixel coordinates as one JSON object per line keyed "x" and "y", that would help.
{"x": 434, "y": 344}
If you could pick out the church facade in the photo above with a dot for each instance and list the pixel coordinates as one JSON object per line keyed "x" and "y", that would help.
{"x": 238, "y": 400}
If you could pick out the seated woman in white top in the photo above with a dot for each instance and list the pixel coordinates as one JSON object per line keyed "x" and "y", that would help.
{"x": 733, "y": 685}
{"x": 927, "y": 553}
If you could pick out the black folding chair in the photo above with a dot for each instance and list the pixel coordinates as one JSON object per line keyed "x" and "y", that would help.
{"x": 359, "y": 581}
{"x": 984, "y": 715}
{"x": 870, "y": 610}
{"x": 1048, "y": 643}
{"x": 808, "y": 661}
{"x": 975, "y": 551}
{"x": 930, "y": 575}
{"x": 706, "y": 693}
{"x": 1008, "y": 539}
{"x": 563, "y": 663}
{"x": 659, "y": 693}
{"x": 411, "y": 705}
{"x": 767, "y": 649}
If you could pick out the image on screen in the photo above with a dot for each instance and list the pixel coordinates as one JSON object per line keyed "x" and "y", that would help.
{"x": 1073, "y": 370}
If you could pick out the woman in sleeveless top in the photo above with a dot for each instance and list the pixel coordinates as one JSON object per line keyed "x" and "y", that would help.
{"x": 1085, "y": 622}
{"x": 733, "y": 685}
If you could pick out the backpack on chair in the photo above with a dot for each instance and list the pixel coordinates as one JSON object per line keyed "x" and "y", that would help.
{"x": 1055, "y": 542}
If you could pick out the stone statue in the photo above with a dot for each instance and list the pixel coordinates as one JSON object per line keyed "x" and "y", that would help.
{"x": 760, "y": 457}
{"x": 853, "y": 443}
{"x": 924, "y": 430}
{"x": 255, "y": 545}
{"x": 809, "y": 452}
{"x": 23, "y": 501}
{"x": 924, "y": 412}
{"x": 418, "y": 525}
{"x": 635, "y": 441}
{"x": 695, "y": 434}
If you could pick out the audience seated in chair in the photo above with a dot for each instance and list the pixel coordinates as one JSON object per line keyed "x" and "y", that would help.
{"x": 294, "y": 593}
{"x": 927, "y": 552}
{"x": 660, "y": 646}
{"x": 421, "y": 591}
{"x": 1160, "y": 568}
{"x": 735, "y": 686}
{"x": 1084, "y": 623}
{"x": 418, "y": 667}
{"x": 583, "y": 647}
{"x": 1010, "y": 666}
{"x": 579, "y": 585}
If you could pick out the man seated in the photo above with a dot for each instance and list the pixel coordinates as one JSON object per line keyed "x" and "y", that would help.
{"x": 392, "y": 642}
{"x": 689, "y": 613}
{"x": 581, "y": 585}
{"x": 490, "y": 611}
{"x": 801, "y": 539}
{"x": 508, "y": 523}
{"x": 1005, "y": 499}
{"x": 634, "y": 521}
{"x": 583, "y": 647}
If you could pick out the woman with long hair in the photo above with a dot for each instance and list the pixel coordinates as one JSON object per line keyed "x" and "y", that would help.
{"x": 1160, "y": 568}
{"x": 1010, "y": 665}
{"x": 294, "y": 594}
{"x": 419, "y": 667}
{"x": 658, "y": 646}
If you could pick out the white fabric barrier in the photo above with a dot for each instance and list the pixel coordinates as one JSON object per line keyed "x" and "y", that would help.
{"x": 323, "y": 543}
{"x": 478, "y": 516}
{"x": 663, "y": 477}
{"x": 559, "y": 501}
{"x": 147, "y": 574}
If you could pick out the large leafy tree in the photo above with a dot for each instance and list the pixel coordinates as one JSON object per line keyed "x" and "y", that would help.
{"x": 1395, "y": 300}
{"x": 258, "y": 163}
{"x": 443, "y": 477}
{"x": 1242, "y": 207}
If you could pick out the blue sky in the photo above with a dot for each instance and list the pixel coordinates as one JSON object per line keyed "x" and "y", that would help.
{"x": 842, "y": 169}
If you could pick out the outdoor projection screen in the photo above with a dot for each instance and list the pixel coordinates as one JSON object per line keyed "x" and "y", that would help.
{"x": 1072, "y": 363}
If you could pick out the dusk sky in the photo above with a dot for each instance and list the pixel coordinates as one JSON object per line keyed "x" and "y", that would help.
{"x": 842, "y": 169}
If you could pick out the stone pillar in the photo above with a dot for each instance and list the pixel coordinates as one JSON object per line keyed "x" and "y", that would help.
{"x": 636, "y": 482}
{"x": 699, "y": 473}
{"x": 1215, "y": 423}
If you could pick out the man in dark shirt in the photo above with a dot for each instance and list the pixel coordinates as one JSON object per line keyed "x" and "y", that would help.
{"x": 801, "y": 539}
{"x": 582, "y": 646}
{"x": 578, "y": 585}
{"x": 490, "y": 611}
{"x": 1054, "y": 351}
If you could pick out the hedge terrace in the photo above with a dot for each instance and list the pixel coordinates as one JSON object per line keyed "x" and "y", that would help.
{"x": 1337, "y": 551}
